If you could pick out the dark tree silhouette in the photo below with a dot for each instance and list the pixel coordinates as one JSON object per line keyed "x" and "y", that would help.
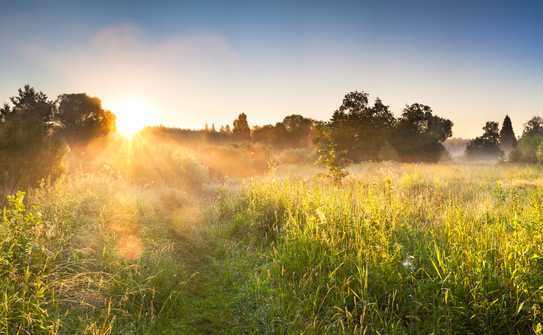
{"x": 419, "y": 134}
{"x": 29, "y": 145}
{"x": 294, "y": 132}
{"x": 365, "y": 132}
{"x": 29, "y": 99}
{"x": 241, "y": 130}
{"x": 83, "y": 118}
{"x": 486, "y": 146}
{"x": 533, "y": 127}
{"x": 508, "y": 140}
{"x": 361, "y": 130}
{"x": 298, "y": 130}
{"x": 274, "y": 136}
{"x": 32, "y": 114}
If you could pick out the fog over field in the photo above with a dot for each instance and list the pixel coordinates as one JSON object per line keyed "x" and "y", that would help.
{"x": 271, "y": 167}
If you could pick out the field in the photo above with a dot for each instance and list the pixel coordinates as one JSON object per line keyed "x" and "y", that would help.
{"x": 394, "y": 249}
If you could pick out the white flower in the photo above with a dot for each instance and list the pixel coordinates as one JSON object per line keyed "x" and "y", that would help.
{"x": 408, "y": 263}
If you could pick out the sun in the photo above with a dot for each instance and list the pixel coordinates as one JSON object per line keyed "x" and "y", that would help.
{"x": 132, "y": 115}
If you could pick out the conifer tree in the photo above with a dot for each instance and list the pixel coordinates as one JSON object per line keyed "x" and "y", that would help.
{"x": 508, "y": 141}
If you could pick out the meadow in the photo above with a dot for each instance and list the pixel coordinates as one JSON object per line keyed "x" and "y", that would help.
{"x": 394, "y": 249}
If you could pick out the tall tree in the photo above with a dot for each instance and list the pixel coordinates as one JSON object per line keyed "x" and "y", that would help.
{"x": 31, "y": 116}
{"x": 29, "y": 143}
{"x": 419, "y": 134}
{"x": 486, "y": 146}
{"x": 508, "y": 140}
{"x": 241, "y": 130}
{"x": 361, "y": 130}
{"x": 83, "y": 118}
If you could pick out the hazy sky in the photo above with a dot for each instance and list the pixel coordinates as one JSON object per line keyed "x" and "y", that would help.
{"x": 198, "y": 61}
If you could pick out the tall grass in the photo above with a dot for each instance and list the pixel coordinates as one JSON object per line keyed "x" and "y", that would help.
{"x": 395, "y": 249}
{"x": 94, "y": 255}
{"x": 411, "y": 249}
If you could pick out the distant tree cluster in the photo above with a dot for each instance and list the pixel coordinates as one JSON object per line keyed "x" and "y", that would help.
{"x": 295, "y": 131}
{"x": 495, "y": 143}
{"x": 36, "y": 132}
{"x": 359, "y": 132}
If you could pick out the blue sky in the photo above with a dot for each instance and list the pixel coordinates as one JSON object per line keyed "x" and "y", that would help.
{"x": 472, "y": 61}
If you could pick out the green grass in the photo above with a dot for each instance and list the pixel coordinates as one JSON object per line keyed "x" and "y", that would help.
{"x": 395, "y": 249}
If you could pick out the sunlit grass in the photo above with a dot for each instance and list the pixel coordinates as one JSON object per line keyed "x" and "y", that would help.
{"x": 401, "y": 249}
{"x": 396, "y": 249}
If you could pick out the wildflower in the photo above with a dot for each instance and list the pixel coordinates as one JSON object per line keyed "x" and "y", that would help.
{"x": 408, "y": 263}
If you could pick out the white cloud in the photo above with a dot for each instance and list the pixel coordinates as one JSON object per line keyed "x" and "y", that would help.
{"x": 178, "y": 73}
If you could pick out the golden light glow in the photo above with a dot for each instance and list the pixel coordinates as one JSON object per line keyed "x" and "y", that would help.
{"x": 133, "y": 114}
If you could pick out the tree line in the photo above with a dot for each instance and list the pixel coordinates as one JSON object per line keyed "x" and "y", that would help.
{"x": 502, "y": 144}
{"x": 357, "y": 130}
{"x": 494, "y": 143}
{"x": 36, "y": 132}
